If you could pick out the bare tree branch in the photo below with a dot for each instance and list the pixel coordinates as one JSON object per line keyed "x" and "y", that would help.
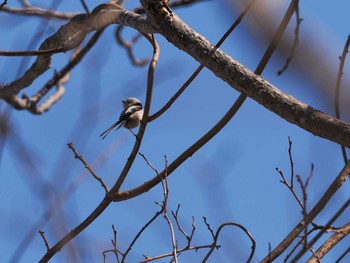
{"x": 237, "y": 76}
{"x": 330, "y": 243}
{"x": 42, "y": 234}
{"x": 216, "y": 237}
{"x": 324, "y": 229}
{"x": 320, "y": 205}
{"x": 87, "y": 166}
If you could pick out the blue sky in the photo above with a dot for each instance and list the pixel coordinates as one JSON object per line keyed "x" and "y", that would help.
{"x": 232, "y": 178}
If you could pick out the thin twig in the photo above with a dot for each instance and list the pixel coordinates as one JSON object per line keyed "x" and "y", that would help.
{"x": 165, "y": 212}
{"x": 162, "y": 210}
{"x": 180, "y": 228}
{"x": 304, "y": 210}
{"x": 158, "y": 213}
{"x": 196, "y": 248}
{"x": 337, "y": 89}
{"x": 209, "y": 227}
{"x": 128, "y": 45}
{"x": 42, "y": 234}
{"x": 296, "y": 39}
{"x": 87, "y": 166}
{"x": 291, "y": 162}
{"x": 217, "y": 237}
{"x": 115, "y": 249}
{"x": 86, "y": 8}
{"x": 285, "y": 182}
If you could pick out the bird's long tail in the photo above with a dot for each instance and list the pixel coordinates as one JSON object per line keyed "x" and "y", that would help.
{"x": 108, "y": 131}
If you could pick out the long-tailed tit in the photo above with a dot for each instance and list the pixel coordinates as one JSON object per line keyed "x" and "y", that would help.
{"x": 129, "y": 118}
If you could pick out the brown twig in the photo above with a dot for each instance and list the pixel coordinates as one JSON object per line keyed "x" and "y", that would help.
{"x": 165, "y": 212}
{"x": 290, "y": 188}
{"x": 208, "y": 227}
{"x": 158, "y": 213}
{"x": 216, "y": 237}
{"x": 128, "y": 45}
{"x": 42, "y": 234}
{"x": 179, "y": 227}
{"x": 291, "y": 162}
{"x": 87, "y": 166}
{"x": 115, "y": 249}
{"x": 342, "y": 59}
{"x": 196, "y": 248}
{"x": 296, "y": 39}
{"x": 304, "y": 209}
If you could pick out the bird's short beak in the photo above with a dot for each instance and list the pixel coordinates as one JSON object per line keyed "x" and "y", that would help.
{"x": 123, "y": 101}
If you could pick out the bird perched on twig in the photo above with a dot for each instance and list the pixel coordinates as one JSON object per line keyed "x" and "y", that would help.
{"x": 129, "y": 118}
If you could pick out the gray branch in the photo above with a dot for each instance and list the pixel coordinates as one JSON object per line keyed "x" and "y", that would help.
{"x": 242, "y": 79}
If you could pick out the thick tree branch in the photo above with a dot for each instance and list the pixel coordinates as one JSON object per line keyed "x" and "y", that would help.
{"x": 242, "y": 79}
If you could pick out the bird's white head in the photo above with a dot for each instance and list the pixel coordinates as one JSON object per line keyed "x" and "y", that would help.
{"x": 130, "y": 102}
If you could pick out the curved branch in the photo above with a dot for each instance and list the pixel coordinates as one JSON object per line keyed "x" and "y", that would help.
{"x": 213, "y": 246}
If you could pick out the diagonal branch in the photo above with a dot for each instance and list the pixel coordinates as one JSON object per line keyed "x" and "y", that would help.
{"x": 332, "y": 189}
{"x": 242, "y": 79}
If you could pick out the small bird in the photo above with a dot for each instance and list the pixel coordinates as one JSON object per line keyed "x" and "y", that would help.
{"x": 129, "y": 118}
